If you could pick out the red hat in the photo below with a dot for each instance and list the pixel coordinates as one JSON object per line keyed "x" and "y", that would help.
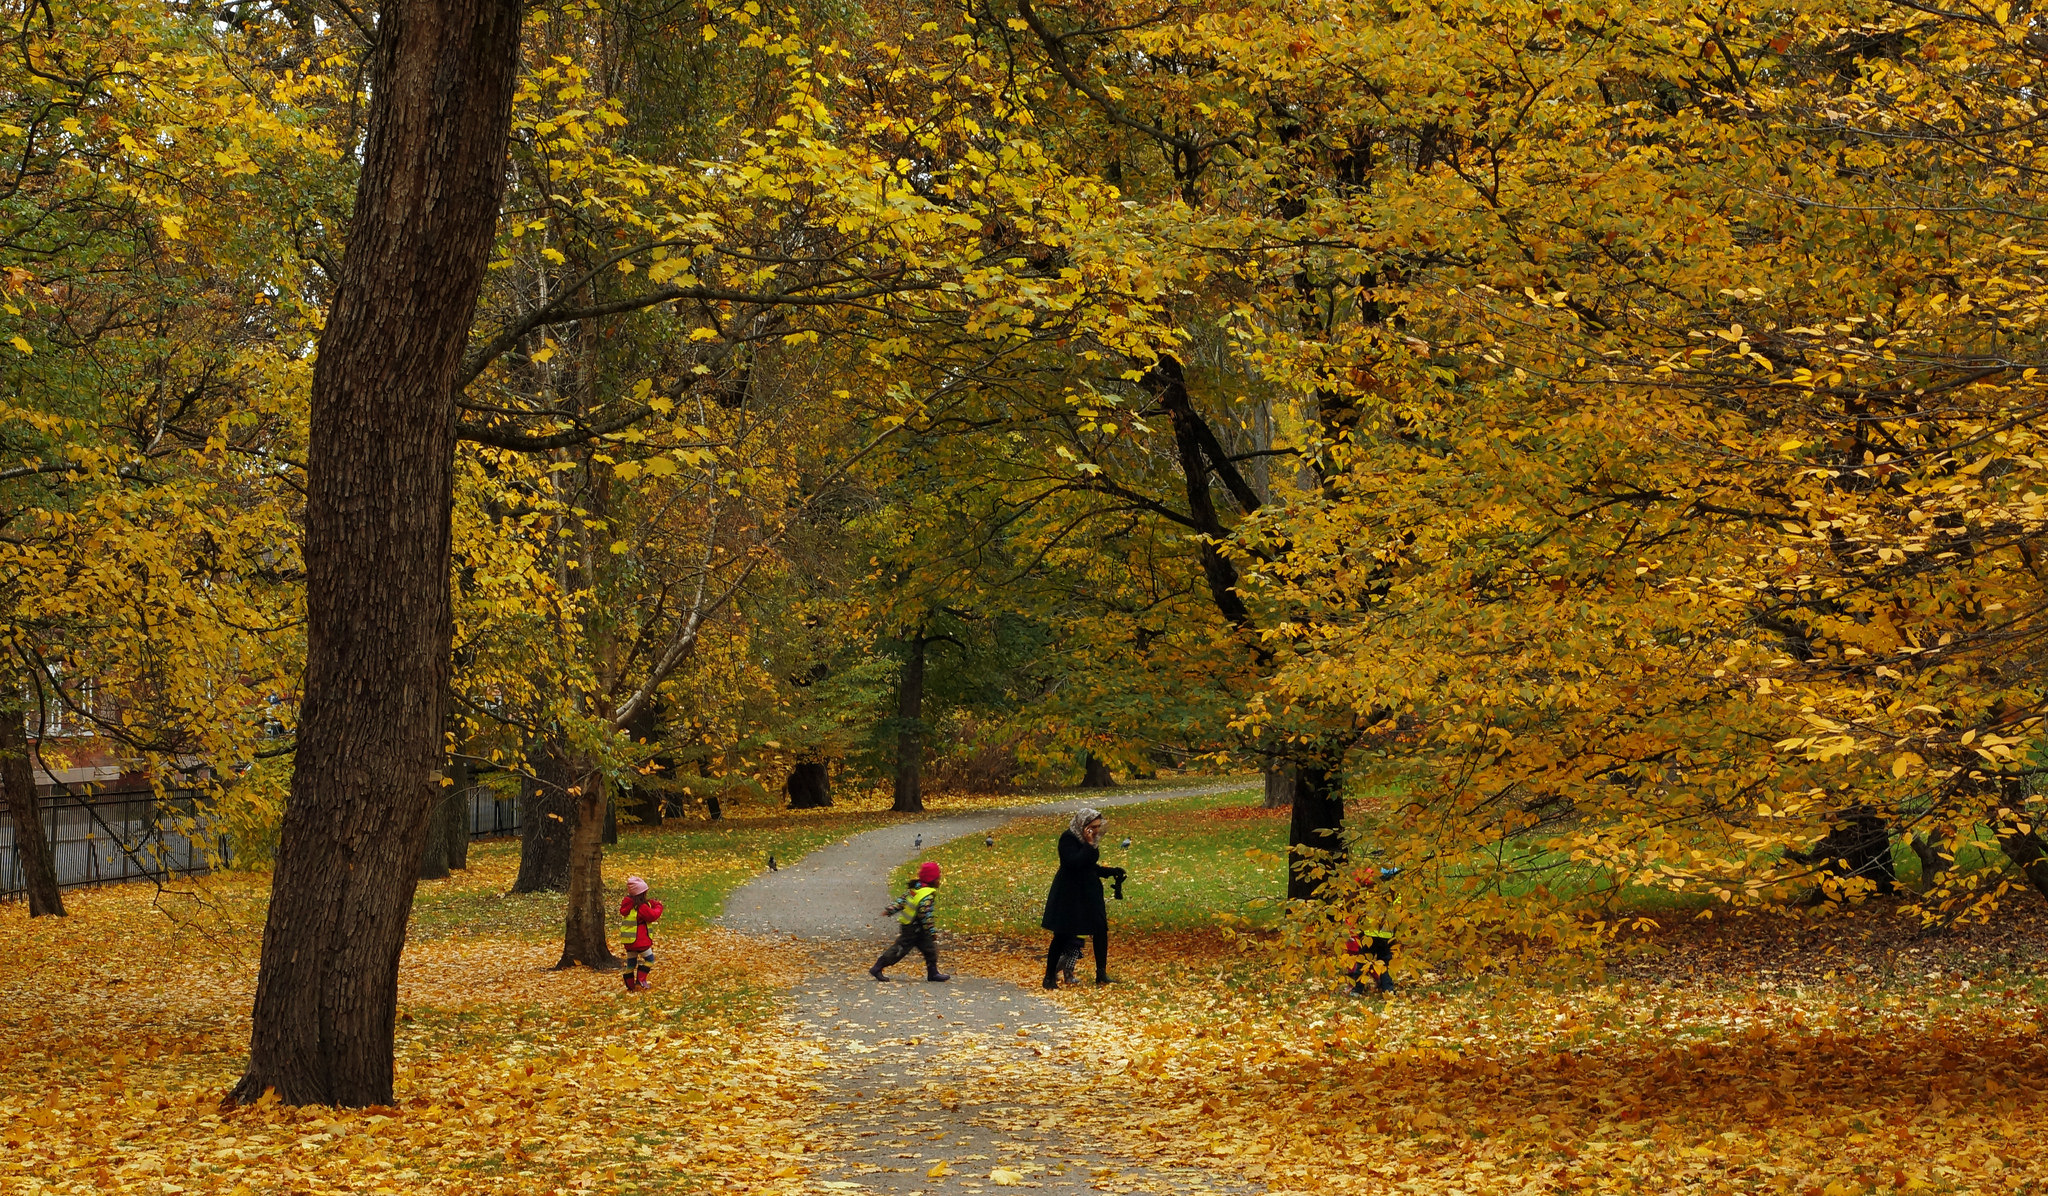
{"x": 927, "y": 872}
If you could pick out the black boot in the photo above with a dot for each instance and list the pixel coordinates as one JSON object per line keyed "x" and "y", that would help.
{"x": 876, "y": 971}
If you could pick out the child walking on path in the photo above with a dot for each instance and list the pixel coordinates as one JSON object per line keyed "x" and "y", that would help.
{"x": 915, "y": 933}
{"x": 639, "y": 944}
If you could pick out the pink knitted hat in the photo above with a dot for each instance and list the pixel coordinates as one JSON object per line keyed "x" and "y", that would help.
{"x": 635, "y": 885}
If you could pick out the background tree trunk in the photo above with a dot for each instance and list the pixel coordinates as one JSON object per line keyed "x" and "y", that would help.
{"x": 31, "y": 847}
{"x": 547, "y": 823}
{"x": 1317, "y": 825}
{"x": 584, "y": 929}
{"x": 456, "y": 824}
{"x": 379, "y": 489}
{"x": 809, "y": 786}
{"x": 611, "y": 823}
{"x": 2029, "y": 851}
{"x": 1096, "y": 775}
{"x": 434, "y": 843}
{"x": 910, "y": 731}
{"x": 648, "y": 800}
{"x": 1279, "y": 785}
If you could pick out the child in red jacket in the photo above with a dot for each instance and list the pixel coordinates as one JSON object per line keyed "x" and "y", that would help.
{"x": 639, "y": 946}
{"x": 1378, "y": 942}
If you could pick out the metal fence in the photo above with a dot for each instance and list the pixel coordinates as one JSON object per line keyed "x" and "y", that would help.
{"x": 490, "y": 814}
{"x": 100, "y": 838}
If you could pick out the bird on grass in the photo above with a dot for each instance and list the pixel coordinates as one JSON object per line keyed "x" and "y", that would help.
{"x": 1127, "y": 842}
{"x": 771, "y": 863}
{"x": 989, "y": 842}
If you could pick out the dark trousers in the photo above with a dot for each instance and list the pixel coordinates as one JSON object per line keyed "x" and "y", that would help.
{"x": 1060, "y": 943}
{"x": 908, "y": 939}
{"x": 1382, "y": 950}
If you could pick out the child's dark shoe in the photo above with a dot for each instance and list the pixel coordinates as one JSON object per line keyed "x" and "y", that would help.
{"x": 937, "y": 977}
{"x": 630, "y": 986}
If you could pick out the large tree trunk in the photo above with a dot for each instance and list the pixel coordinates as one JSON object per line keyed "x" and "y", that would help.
{"x": 809, "y": 786}
{"x": 379, "y": 488}
{"x": 910, "y": 731}
{"x": 18, "y": 780}
{"x": 1279, "y": 785}
{"x": 1317, "y": 826}
{"x": 1096, "y": 775}
{"x": 547, "y": 823}
{"x": 584, "y": 937}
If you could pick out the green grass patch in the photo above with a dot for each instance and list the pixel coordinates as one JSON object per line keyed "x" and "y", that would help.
{"x": 691, "y": 866}
{"x": 1191, "y": 860}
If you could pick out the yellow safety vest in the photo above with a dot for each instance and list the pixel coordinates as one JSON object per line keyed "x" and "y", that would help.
{"x": 911, "y": 904}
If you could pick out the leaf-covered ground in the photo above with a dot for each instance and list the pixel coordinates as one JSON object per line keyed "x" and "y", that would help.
{"x": 1823, "y": 1055}
{"x": 1820, "y": 1056}
{"x": 130, "y": 1020}
{"x": 513, "y": 1078}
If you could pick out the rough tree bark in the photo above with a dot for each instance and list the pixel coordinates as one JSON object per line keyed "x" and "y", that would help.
{"x": 434, "y": 843}
{"x": 379, "y": 489}
{"x": 584, "y": 938}
{"x": 1317, "y": 825}
{"x": 809, "y": 786}
{"x": 547, "y": 823}
{"x": 1279, "y": 785}
{"x": 910, "y": 730}
{"x": 18, "y": 780}
{"x": 456, "y": 815}
{"x": 1096, "y": 775}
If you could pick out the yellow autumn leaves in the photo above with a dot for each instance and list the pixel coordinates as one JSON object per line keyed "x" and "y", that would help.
{"x": 515, "y": 1078}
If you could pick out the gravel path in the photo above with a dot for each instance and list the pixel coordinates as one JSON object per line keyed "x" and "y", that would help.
{"x": 837, "y": 893}
{"x": 960, "y": 1087}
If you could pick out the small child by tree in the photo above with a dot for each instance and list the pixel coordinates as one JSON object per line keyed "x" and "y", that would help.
{"x": 915, "y": 931}
{"x": 1376, "y": 940}
{"x": 643, "y": 910}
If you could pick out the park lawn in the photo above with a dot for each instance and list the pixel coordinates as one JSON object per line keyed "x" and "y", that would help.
{"x": 692, "y": 865}
{"x": 132, "y": 1019}
{"x": 1193, "y": 862}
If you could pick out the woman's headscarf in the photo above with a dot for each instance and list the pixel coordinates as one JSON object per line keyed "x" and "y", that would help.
{"x": 1082, "y": 817}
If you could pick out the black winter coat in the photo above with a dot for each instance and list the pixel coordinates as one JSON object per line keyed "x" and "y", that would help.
{"x": 1075, "y": 905}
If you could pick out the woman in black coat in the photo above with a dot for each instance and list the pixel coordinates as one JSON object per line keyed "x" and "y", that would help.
{"x": 1075, "y": 906}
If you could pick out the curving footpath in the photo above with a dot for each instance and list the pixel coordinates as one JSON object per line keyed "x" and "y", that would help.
{"x": 954, "y": 1088}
